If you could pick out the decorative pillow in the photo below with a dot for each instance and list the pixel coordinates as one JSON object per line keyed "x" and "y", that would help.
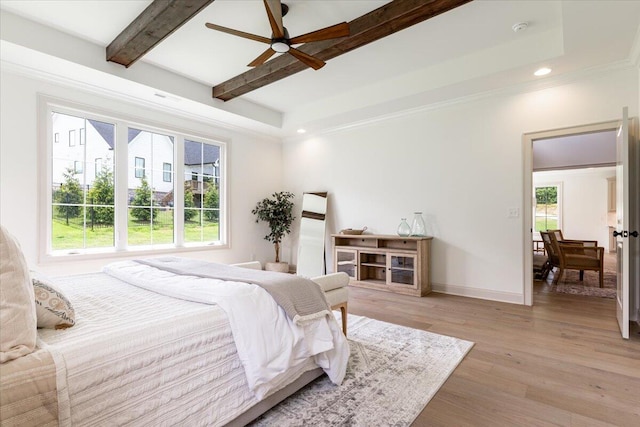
{"x": 17, "y": 305}
{"x": 53, "y": 309}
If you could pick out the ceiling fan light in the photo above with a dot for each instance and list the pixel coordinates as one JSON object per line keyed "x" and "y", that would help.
{"x": 280, "y": 46}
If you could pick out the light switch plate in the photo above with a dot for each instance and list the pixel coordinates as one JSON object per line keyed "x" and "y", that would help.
{"x": 513, "y": 212}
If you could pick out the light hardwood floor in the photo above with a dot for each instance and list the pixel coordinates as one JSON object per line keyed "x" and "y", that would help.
{"x": 561, "y": 362}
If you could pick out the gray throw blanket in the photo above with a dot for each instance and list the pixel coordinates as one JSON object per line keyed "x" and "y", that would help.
{"x": 301, "y": 298}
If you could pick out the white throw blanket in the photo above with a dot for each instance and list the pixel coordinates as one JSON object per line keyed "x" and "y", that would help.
{"x": 267, "y": 340}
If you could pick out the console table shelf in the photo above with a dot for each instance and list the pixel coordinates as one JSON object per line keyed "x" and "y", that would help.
{"x": 384, "y": 262}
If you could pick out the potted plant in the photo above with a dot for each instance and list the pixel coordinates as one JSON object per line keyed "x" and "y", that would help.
{"x": 276, "y": 211}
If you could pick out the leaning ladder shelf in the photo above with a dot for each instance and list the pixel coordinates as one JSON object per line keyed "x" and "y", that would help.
{"x": 384, "y": 262}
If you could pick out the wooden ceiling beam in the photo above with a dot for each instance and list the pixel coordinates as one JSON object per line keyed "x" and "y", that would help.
{"x": 388, "y": 19}
{"x": 156, "y": 22}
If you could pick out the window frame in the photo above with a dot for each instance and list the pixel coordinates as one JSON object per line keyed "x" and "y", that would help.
{"x": 166, "y": 172}
{"x": 78, "y": 166}
{"x": 139, "y": 171}
{"x": 48, "y": 105}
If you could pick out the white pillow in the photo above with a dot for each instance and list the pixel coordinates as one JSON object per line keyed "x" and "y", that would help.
{"x": 17, "y": 304}
{"x": 53, "y": 309}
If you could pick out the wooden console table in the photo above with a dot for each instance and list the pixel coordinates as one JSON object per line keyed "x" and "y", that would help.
{"x": 384, "y": 262}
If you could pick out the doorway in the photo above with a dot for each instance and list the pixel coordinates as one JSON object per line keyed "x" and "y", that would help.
{"x": 571, "y": 160}
{"x": 576, "y": 201}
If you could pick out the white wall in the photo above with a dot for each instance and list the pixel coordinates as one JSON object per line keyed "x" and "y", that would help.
{"x": 254, "y": 171}
{"x": 462, "y": 165}
{"x": 583, "y": 201}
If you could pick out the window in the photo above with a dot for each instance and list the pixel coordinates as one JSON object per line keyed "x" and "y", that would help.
{"x": 547, "y": 207}
{"x": 151, "y": 206}
{"x": 139, "y": 169}
{"x": 202, "y": 192}
{"x": 72, "y": 138}
{"x": 82, "y": 136}
{"x": 56, "y": 137}
{"x": 82, "y": 209}
{"x": 82, "y": 214}
{"x": 166, "y": 172}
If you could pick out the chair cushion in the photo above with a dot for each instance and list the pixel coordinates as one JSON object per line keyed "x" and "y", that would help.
{"x": 337, "y": 296}
{"x": 332, "y": 281}
{"x": 576, "y": 261}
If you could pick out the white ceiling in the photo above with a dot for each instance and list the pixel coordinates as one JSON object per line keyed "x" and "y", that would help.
{"x": 471, "y": 49}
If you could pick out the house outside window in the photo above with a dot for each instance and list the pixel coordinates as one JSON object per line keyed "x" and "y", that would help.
{"x": 82, "y": 214}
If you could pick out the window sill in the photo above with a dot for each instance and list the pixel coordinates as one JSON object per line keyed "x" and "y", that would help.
{"x": 97, "y": 254}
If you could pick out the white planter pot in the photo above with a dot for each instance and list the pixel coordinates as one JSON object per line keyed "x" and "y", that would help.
{"x": 282, "y": 267}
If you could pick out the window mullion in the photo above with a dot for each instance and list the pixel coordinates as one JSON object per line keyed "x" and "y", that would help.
{"x": 121, "y": 186}
{"x": 178, "y": 186}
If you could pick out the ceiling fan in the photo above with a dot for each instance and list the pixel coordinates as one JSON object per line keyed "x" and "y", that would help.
{"x": 281, "y": 42}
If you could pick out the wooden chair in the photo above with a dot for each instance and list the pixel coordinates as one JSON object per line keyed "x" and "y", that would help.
{"x": 575, "y": 255}
{"x": 552, "y": 254}
{"x": 560, "y": 238}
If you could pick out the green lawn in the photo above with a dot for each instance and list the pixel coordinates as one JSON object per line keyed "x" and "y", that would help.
{"x": 544, "y": 224}
{"x": 550, "y": 222}
{"x": 140, "y": 233}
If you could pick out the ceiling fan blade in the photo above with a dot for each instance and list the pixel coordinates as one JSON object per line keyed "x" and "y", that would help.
{"x": 307, "y": 59}
{"x": 332, "y": 32}
{"x": 262, "y": 58}
{"x": 238, "y": 33}
{"x": 274, "y": 12}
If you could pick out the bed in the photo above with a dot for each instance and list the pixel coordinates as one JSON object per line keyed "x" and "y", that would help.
{"x": 139, "y": 357}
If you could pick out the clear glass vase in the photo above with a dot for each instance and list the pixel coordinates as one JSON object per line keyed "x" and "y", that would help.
{"x": 418, "y": 227}
{"x": 403, "y": 229}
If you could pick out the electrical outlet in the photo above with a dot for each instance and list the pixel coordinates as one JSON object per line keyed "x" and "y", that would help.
{"x": 513, "y": 212}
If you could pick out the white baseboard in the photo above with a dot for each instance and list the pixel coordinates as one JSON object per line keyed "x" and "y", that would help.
{"x": 465, "y": 291}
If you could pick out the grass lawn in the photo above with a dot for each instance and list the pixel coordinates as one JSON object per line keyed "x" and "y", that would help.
{"x": 546, "y": 217}
{"x": 544, "y": 224}
{"x": 71, "y": 236}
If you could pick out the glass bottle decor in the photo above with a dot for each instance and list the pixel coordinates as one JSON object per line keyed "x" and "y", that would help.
{"x": 403, "y": 229}
{"x": 418, "y": 227}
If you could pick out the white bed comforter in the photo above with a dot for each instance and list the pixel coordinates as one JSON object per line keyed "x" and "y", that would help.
{"x": 268, "y": 342}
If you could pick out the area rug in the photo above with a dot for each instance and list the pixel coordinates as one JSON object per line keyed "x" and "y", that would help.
{"x": 584, "y": 290}
{"x": 392, "y": 374}
{"x": 589, "y": 286}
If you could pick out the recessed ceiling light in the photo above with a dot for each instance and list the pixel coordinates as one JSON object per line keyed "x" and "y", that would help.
{"x": 542, "y": 71}
{"x": 519, "y": 26}
{"x": 301, "y": 130}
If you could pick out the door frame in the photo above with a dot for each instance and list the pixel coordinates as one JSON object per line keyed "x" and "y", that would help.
{"x": 527, "y": 143}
